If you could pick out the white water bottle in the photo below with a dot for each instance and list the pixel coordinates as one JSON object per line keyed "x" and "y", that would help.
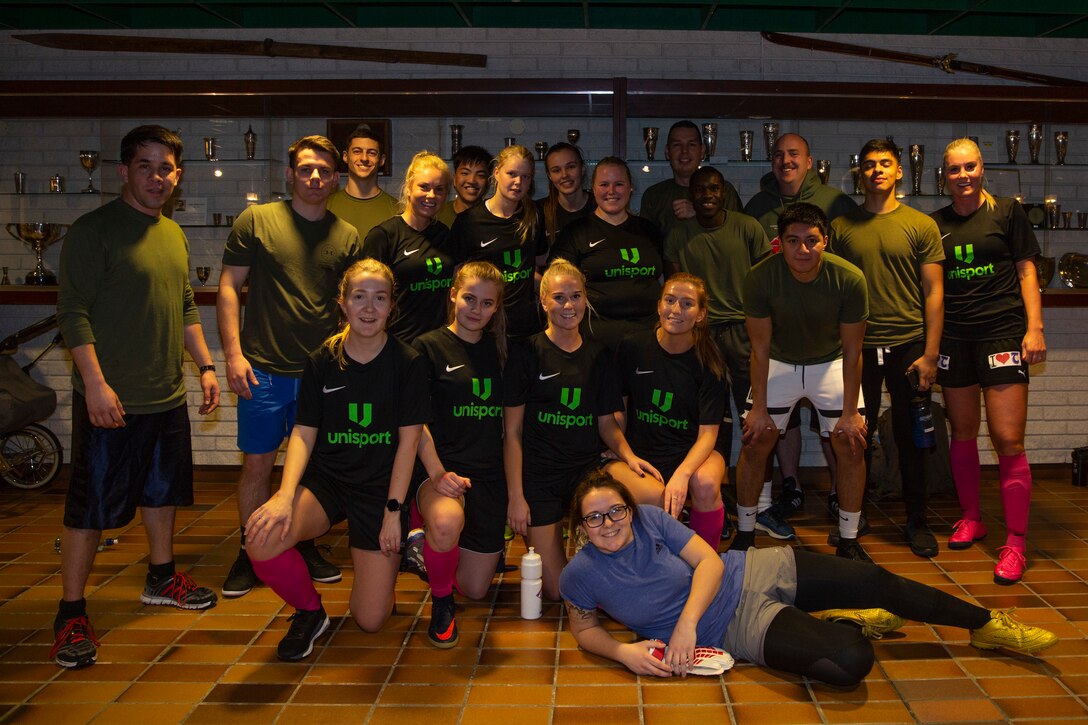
{"x": 531, "y": 585}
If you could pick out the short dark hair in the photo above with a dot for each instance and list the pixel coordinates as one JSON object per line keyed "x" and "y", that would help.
{"x": 706, "y": 171}
{"x": 683, "y": 124}
{"x": 318, "y": 144}
{"x": 363, "y": 130}
{"x": 595, "y": 479}
{"x": 879, "y": 145}
{"x": 140, "y": 135}
{"x": 802, "y": 213}
{"x": 471, "y": 156}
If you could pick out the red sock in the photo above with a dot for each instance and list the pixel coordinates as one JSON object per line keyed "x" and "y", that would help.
{"x": 1015, "y": 477}
{"x": 441, "y": 569}
{"x": 708, "y": 525}
{"x": 965, "y": 472}
{"x": 288, "y": 577}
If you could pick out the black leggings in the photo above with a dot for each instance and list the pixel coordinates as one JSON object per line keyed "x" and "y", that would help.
{"x": 836, "y": 653}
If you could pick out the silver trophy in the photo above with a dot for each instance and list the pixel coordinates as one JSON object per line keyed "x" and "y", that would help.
{"x": 89, "y": 161}
{"x": 211, "y": 148}
{"x": 855, "y": 172}
{"x": 1053, "y": 215}
{"x": 249, "y": 138}
{"x": 1035, "y": 141}
{"x": 710, "y": 140}
{"x": 1012, "y": 144}
{"x": 1073, "y": 270}
{"x": 823, "y": 170}
{"x": 746, "y": 138}
{"x": 917, "y": 166}
{"x": 770, "y": 137}
{"x": 1061, "y": 146}
{"x": 541, "y": 149}
{"x": 649, "y": 137}
{"x": 455, "y": 138}
{"x": 573, "y": 135}
{"x": 938, "y": 174}
{"x": 39, "y": 236}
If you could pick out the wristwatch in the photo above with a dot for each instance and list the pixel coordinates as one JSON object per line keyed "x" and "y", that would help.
{"x": 393, "y": 505}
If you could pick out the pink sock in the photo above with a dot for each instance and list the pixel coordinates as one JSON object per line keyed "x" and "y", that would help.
{"x": 415, "y": 518}
{"x": 708, "y": 525}
{"x": 288, "y": 577}
{"x": 441, "y": 569}
{"x": 965, "y": 472}
{"x": 1016, "y": 495}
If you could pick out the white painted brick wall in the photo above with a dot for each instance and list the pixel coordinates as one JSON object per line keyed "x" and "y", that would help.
{"x": 1058, "y": 415}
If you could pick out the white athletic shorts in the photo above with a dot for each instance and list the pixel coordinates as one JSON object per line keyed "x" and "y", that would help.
{"x": 788, "y": 384}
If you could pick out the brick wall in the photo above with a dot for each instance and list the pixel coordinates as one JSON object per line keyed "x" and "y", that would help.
{"x": 42, "y": 147}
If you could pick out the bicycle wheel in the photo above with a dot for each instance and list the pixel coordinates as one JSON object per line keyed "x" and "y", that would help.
{"x": 33, "y": 457}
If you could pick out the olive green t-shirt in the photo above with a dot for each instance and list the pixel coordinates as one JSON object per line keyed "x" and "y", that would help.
{"x": 124, "y": 287}
{"x": 363, "y": 214}
{"x": 657, "y": 203}
{"x": 805, "y": 316}
{"x": 295, "y": 266}
{"x": 722, "y": 257}
{"x": 890, "y": 249}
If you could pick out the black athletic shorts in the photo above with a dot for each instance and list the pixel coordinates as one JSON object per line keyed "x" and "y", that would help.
{"x": 363, "y": 506}
{"x": 549, "y": 493}
{"x": 963, "y": 363}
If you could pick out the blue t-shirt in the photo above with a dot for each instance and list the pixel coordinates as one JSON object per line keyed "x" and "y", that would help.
{"x": 646, "y": 584}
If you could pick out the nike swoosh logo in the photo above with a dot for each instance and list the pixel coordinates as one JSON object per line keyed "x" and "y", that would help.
{"x": 410, "y": 252}
{"x": 455, "y": 367}
{"x": 594, "y": 244}
{"x": 945, "y": 236}
{"x": 843, "y": 518}
{"x": 547, "y": 377}
{"x": 332, "y": 390}
{"x": 749, "y": 514}
{"x": 484, "y": 244}
{"x": 642, "y": 372}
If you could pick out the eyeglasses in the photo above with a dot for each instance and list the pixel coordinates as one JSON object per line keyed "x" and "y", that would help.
{"x": 616, "y": 513}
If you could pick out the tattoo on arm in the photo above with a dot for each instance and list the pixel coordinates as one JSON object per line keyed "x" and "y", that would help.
{"x": 573, "y": 610}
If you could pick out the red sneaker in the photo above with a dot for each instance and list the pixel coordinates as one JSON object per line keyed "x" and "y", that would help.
{"x": 1010, "y": 565}
{"x": 966, "y": 532}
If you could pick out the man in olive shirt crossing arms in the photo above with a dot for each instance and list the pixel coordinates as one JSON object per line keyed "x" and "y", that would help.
{"x": 805, "y": 310}
{"x": 899, "y": 251}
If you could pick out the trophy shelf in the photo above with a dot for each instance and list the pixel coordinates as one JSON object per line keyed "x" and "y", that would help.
{"x": 25, "y": 294}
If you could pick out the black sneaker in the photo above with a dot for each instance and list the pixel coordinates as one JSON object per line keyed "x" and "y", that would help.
{"x": 833, "y": 505}
{"x": 922, "y": 541}
{"x": 851, "y": 549}
{"x": 306, "y": 626}
{"x": 75, "y": 644}
{"x": 791, "y": 499}
{"x": 743, "y": 541}
{"x": 241, "y": 577}
{"x": 178, "y": 591}
{"x": 443, "y": 628}
{"x": 321, "y": 571}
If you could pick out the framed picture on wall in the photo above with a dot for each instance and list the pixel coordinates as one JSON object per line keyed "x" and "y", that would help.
{"x": 337, "y": 130}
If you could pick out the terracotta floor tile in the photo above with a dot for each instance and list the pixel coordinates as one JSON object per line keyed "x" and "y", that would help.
{"x": 1038, "y": 707}
{"x": 322, "y": 714}
{"x": 957, "y": 689}
{"x": 408, "y": 715}
{"x": 12, "y": 693}
{"x": 138, "y": 712}
{"x": 345, "y": 674}
{"x": 161, "y": 692}
{"x": 918, "y": 670}
{"x": 259, "y": 693}
{"x": 870, "y": 712}
{"x": 336, "y": 694}
{"x": 422, "y": 675}
{"x": 515, "y": 675}
{"x": 54, "y": 714}
{"x": 972, "y": 710}
{"x": 794, "y": 712}
{"x": 223, "y": 714}
{"x": 499, "y": 715}
{"x": 79, "y": 692}
{"x": 510, "y": 694}
{"x": 612, "y": 674}
{"x": 597, "y": 695}
{"x": 998, "y": 687}
{"x": 695, "y": 690}
{"x": 430, "y": 694}
{"x": 595, "y": 715}
{"x": 183, "y": 673}
{"x": 702, "y": 714}
{"x": 745, "y": 693}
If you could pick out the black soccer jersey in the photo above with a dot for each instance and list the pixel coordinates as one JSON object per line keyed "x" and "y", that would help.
{"x": 422, "y": 265}
{"x": 564, "y": 218}
{"x": 466, "y": 401}
{"x": 358, "y": 410}
{"x": 668, "y": 398}
{"x": 622, "y": 264}
{"x": 479, "y": 234}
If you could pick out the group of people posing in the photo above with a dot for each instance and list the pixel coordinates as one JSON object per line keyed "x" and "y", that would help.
{"x": 457, "y": 367}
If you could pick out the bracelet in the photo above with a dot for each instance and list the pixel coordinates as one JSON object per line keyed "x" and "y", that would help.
{"x": 207, "y": 368}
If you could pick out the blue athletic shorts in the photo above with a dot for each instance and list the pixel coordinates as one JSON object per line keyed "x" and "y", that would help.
{"x": 266, "y": 419}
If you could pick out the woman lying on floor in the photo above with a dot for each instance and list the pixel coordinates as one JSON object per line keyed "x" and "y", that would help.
{"x": 779, "y": 607}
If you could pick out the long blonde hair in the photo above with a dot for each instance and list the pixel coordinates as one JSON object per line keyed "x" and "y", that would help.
{"x": 526, "y": 211}
{"x": 706, "y": 352}
{"x": 335, "y": 342}
{"x": 484, "y": 272}
{"x": 966, "y": 145}
{"x": 420, "y": 162}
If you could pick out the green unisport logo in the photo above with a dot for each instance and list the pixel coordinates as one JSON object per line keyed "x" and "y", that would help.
{"x": 512, "y": 258}
{"x": 481, "y": 388}
{"x": 435, "y": 283}
{"x": 965, "y": 258}
{"x": 630, "y": 255}
{"x": 434, "y": 265}
{"x": 354, "y": 437}
{"x": 571, "y": 397}
{"x": 664, "y": 402}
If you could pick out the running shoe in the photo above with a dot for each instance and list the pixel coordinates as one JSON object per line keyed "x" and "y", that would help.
{"x": 743, "y": 541}
{"x": 863, "y": 529}
{"x": 1010, "y": 565}
{"x": 75, "y": 645}
{"x": 966, "y": 532}
{"x": 241, "y": 577}
{"x": 791, "y": 499}
{"x": 306, "y": 627}
{"x": 874, "y": 623}
{"x": 413, "y": 561}
{"x": 443, "y": 628}
{"x": 1004, "y": 630}
{"x": 178, "y": 591}
{"x": 321, "y": 570}
{"x": 851, "y": 549}
{"x": 768, "y": 522}
{"x": 922, "y": 541}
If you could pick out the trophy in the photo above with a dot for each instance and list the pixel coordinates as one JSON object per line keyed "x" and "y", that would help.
{"x": 649, "y": 137}
{"x": 823, "y": 170}
{"x": 1061, "y": 145}
{"x": 855, "y": 172}
{"x": 917, "y": 165}
{"x": 202, "y": 274}
{"x": 1035, "y": 141}
{"x": 38, "y": 236}
{"x": 455, "y": 138}
{"x": 1053, "y": 215}
{"x": 89, "y": 161}
{"x": 938, "y": 173}
{"x": 211, "y": 149}
{"x": 573, "y": 135}
{"x": 746, "y": 138}
{"x": 1073, "y": 270}
{"x": 710, "y": 139}
{"x": 509, "y": 141}
{"x": 541, "y": 149}
{"x": 770, "y": 137}
{"x": 1044, "y": 270}
{"x": 250, "y": 140}
{"x": 1012, "y": 144}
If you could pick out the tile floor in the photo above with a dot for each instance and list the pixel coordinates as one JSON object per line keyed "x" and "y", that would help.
{"x": 164, "y": 666}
